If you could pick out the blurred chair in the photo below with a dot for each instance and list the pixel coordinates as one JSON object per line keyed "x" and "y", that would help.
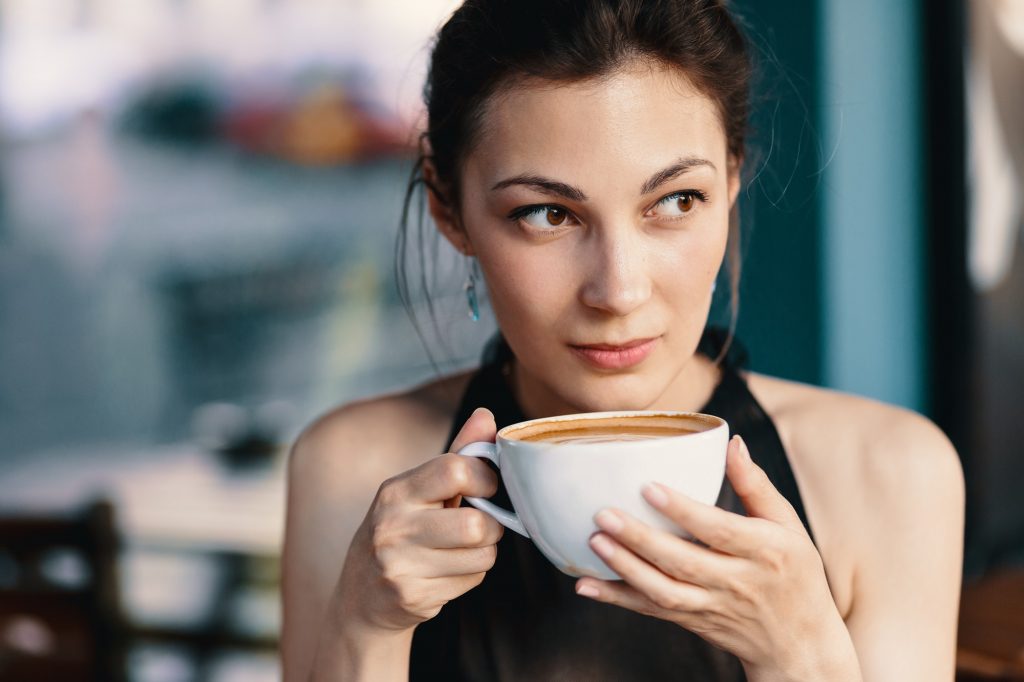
{"x": 59, "y": 607}
{"x": 990, "y": 644}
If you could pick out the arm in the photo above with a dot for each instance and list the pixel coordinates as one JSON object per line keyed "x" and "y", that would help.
{"x": 327, "y": 497}
{"x": 354, "y": 591}
{"x": 906, "y": 591}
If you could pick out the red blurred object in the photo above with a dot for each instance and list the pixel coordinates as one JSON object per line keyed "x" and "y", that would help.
{"x": 322, "y": 128}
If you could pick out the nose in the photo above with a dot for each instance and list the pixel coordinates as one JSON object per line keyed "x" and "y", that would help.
{"x": 617, "y": 281}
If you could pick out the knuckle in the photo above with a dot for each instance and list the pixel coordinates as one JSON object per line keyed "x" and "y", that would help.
{"x": 474, "y": 527}
{"x": 393, "y": 578}
{"x": 457, "y": 471}
{"x": 407, "y": 598}
{"x": 382, "y": 533}
{"x": 703, "y": 607}
{"x": 488, "y": 555}
{"x": 666, "y": 600}
{"x": 388, "y": 494}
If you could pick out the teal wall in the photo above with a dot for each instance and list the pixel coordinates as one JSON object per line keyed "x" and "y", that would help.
{"x": 832, "y": 289}
{"x": 780, "y": 297}
{"x": 873, "y": 242}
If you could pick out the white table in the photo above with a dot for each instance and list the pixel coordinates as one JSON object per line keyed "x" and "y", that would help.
{"x": 166, "y": 495}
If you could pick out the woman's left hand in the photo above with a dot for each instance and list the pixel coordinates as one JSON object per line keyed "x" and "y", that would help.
{"x": 758, "y": 590}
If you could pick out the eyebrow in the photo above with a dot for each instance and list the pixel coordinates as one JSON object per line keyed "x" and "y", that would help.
{"x": 567, "y": 191}
{"x": 545, "y": 185}
{"x": 675, "y": 170}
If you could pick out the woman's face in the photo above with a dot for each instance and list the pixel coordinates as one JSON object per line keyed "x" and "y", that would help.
{"x": 599, "y": 213}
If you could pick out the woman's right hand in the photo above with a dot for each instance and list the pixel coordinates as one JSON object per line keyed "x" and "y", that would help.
{"x": 417, "y": 549}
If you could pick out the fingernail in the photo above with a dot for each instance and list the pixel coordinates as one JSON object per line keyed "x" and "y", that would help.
{"x": 655, "y": 494}
{"x": 608, "y": 520}
{"x": 602, "y": 545}
{"x": 587, "y": 591}
{"x": 741, "y": 444}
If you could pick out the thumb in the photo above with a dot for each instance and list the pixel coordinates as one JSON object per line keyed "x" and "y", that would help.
{"x": 479, "y": 427}
{"x": 760, "y": 498}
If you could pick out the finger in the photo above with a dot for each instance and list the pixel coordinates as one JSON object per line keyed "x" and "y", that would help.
{"x": 623, "y": 594}
{"x": 760, "y": 498}
{"x": 672, "y": 555}
{"x": 440, "y": 479}
{"x": 449, "y": 587}
{"x": 717, "y": 528}
{"x": 479, "y": 427}
{"x": 446, "y": 563}
{"x": 451, "y": 528}
{"x": 660, "y": 589}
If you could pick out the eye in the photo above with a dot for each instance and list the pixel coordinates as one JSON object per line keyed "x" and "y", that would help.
{"x": 678, "y": 204}
{"x": 542, "y": 217}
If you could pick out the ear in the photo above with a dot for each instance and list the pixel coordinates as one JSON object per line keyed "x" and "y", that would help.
{"x": 443, "y": 210}
{"x": 733, "y": 182}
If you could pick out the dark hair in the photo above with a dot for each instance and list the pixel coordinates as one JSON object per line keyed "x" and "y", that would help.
{"x": 488, "y": 45}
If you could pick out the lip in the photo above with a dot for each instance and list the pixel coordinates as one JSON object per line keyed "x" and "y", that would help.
{"x": 612, "y": 356}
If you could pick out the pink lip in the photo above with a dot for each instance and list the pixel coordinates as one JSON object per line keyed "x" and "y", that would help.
{"x": 607, "y": 356}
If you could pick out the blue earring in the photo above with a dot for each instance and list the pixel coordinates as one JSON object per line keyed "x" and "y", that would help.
{"x": 470, "y": 287}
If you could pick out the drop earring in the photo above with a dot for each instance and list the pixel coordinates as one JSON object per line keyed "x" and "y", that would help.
{"x": 470, "y": 287}
{"x": 714, "y": 285}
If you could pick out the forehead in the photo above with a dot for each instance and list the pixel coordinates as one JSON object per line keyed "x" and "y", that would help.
{"x": 639, "y": 118}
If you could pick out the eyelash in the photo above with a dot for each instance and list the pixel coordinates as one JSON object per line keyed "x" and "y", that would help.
{"x": 695, "y": 193}
{"x": 524, "y": 211}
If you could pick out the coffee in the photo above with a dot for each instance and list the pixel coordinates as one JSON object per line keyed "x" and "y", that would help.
{"x": 609, "y": 430}
{"x": 595, "y": 434}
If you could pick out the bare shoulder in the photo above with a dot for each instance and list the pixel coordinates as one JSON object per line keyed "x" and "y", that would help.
{"x": 873, "y": 477}
{"x": 890, "y": 446}
{"x": 402, "y": 428}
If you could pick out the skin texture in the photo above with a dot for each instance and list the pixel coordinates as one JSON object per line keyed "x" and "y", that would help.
{"x": 373, "y": 545}
{"x": 622, "y": 267}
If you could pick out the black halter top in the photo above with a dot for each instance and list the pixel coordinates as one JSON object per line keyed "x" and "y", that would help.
{"x": 525, "y": 621}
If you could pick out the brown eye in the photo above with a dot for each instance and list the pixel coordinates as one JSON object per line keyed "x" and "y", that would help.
{"x": 543, "y": 218}
{"x": 678, "y": 204}
{"x": 555, "y": 216}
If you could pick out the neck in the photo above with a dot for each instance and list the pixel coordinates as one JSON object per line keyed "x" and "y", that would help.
{"x": 688, "y": 392}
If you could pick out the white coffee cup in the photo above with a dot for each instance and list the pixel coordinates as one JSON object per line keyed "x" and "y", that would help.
{"x": 556, "y": 488}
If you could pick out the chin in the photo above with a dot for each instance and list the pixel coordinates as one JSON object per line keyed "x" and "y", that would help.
{"x": 613, "y": 393}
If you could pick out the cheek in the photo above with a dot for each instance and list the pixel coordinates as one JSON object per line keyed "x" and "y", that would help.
{"x": 684, "y": 266}
{"x": 530, "y": 289}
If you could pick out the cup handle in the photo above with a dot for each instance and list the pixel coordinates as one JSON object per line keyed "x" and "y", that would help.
{"x": 503, "y": 516}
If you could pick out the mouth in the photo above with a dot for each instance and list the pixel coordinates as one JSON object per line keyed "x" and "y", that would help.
{"x": 615, "y": 356}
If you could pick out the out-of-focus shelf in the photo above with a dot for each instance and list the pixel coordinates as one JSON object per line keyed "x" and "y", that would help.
{"x": 991, "y": 635}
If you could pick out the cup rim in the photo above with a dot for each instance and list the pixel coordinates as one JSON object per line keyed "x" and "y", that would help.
{"x": 718, "y": 423}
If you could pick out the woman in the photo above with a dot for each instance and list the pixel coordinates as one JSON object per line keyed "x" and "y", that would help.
{"x": 587, "y": 155}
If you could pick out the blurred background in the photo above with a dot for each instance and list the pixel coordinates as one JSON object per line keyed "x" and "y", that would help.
{"x": 199, "y": 201}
